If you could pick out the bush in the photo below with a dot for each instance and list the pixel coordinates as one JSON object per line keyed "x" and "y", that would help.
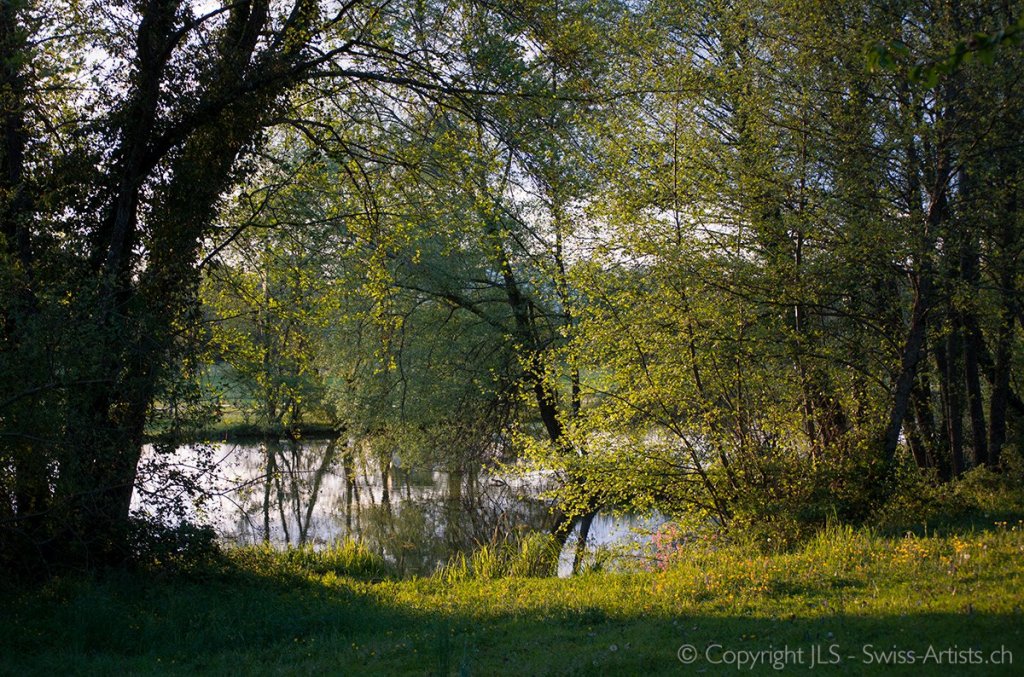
{"x": 180, "y": 547}
{"x": 980, "y": 495}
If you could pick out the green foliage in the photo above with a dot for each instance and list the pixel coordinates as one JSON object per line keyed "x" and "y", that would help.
{"x": 981, "y": 46}
{"x": 183, "y": 548}
{"x": 271, "y": 304}
{"x": 155, "y": 155}
{"x": 976, "y": 499}
{"x": 785, "y": 301}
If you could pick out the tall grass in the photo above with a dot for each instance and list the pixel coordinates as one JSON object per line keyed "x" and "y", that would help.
{"x": 532, "y": 555}
{"x": 343, "y": 558}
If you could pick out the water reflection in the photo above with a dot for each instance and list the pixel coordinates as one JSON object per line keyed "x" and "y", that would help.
{"x": 320, "y": 491}
{"x": 317, "y": 492}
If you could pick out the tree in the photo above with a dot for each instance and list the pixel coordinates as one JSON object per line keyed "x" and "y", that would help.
{"x": 114, "y": 173}
{"x": 270, "y": 297}
{"x": 793, "y": 263}
{"x": 472, "y": 216}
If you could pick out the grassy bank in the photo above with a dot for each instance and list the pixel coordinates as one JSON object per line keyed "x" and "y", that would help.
{"x": 237, "y": 430}
{"x": 233, "y": 426}
{"x": 853, "y": 596}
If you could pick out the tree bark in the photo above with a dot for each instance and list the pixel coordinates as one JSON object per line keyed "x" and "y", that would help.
{"x": 911, "y": 355}
{"x": 952, "y": 406}
{"x": 581, "y": 542}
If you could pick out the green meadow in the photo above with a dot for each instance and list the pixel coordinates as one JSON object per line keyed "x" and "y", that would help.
{"x": 848, "y": 602}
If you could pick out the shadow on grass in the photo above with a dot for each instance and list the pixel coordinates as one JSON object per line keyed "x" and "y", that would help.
{"x": 966, "y": 523}
{"x": 241, "y": 622}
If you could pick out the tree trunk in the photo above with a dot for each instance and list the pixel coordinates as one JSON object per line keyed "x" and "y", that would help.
{"x": 975, "y": 401}
{"x": 952, "y": 405}
{"x": 925, "y": 420}
{"x": 1006, "y": 260}
{"x": 581, "y": 542}
{"x": 911, "y": 355}
{"x": 1001, "y": 392}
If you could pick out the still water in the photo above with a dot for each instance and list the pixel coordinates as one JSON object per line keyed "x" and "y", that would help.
{"x": 317, "y": 492}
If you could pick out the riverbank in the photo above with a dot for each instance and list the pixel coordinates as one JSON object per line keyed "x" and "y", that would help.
{"x": 853, "y": 598}
{"x": 237, "y": 429}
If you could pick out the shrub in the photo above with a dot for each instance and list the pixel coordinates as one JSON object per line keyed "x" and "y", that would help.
{"x": 179, "y": 547}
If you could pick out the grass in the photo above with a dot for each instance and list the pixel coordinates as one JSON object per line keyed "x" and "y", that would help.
{"x": 258, "y": 611}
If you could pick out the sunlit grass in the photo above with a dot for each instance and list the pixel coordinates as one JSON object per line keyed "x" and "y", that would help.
{"x": 337, "y": 611}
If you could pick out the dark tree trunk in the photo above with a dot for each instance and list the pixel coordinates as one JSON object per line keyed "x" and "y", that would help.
{"x": 581, "y": 542}
{"x": 29, "y": 501}
{"x": 268, "y": 483}
{"x": 912, "y": 348}
{"x": 952, "y": 405}
{"x": 925, "y": 421}
{"x": 916, "y": 441}
{"x": 976, "y": 405}
{"x": 973, "y": 342}
{"x": 913, "y": 344}
{"x": 953, "y": 385}
{"x": 1006, "y": 261}
{"x": 974, "y": 358}
{"x": 1001, "y": 395}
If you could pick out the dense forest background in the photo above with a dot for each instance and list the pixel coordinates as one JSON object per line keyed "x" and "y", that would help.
{"x": 753, "y": 263}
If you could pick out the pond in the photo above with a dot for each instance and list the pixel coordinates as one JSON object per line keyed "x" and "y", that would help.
{"x": 317, "y": 492}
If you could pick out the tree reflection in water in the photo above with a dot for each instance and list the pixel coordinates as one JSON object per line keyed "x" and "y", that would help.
{"x": 320, "y": 491}
{"x": 317, "y": 492}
